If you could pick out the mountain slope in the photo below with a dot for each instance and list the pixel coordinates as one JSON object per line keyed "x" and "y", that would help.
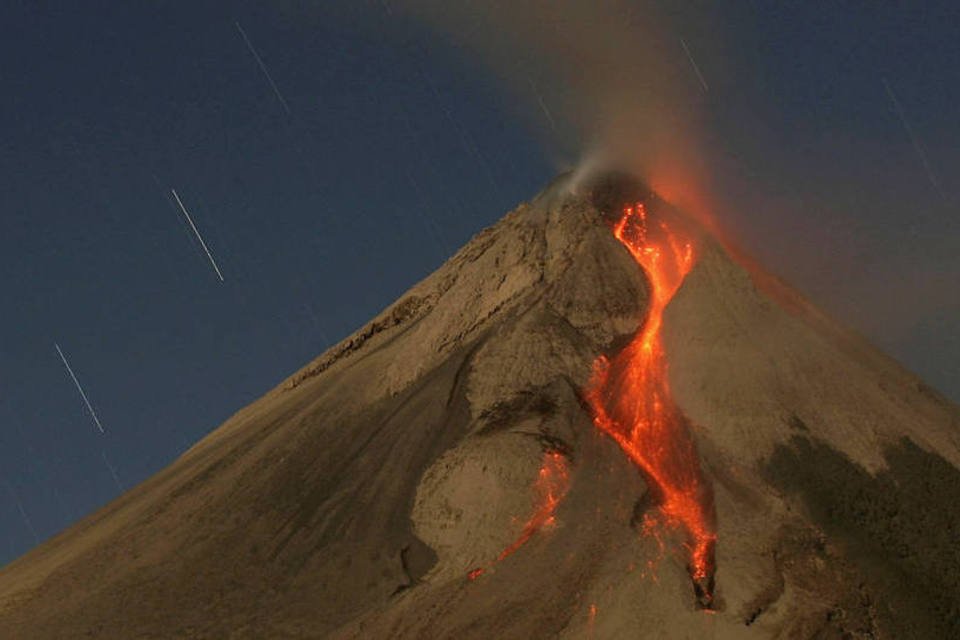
{"x": 353, "y": 500}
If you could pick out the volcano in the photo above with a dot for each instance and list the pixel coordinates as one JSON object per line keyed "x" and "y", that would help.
{"x": 594, "y": 421}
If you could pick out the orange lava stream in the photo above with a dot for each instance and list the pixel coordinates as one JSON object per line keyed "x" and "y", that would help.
{"x": 551, "y": 486}
{"x": 631, "y": 399}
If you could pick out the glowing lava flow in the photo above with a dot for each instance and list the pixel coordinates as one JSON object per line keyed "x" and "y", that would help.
{"x": 631, "y": 399}
{"x": 551, "y": 486}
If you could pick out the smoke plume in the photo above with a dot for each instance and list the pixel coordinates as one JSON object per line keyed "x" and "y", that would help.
{"x": 609, "y": 83}
{"x": 683, "y": 97}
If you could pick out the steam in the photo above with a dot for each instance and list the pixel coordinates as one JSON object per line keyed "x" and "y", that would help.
{"x": 618, "y": 84}
{"x": 611, "y": 84}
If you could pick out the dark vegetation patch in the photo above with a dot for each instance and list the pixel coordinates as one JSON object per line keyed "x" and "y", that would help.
{"x": 805, "y": 556}
{"x": 900, "y": 528}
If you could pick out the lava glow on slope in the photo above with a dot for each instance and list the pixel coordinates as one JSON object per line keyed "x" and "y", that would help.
{"x": 552, "y": 482}
{"x": 631, "y": 400}
{"x": 551, "y": 486}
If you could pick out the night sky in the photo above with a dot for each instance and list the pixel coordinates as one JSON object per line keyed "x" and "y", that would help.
{"x": 373, "y": 150}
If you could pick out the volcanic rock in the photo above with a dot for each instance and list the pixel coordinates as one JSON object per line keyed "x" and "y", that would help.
{"x": 373, "y": 493}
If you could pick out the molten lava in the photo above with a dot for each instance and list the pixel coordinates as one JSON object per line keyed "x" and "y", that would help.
{"x": 551, "y": 486}
{"x": 631, "y": 399}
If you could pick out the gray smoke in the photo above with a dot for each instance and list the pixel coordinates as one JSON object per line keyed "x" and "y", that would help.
{"x": 611, "y": 82}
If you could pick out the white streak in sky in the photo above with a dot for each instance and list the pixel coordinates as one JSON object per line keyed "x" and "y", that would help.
{"x": 23, "y": 514}
{"x": 197, "y": 233}
{"x": 914, "y": 140}
{"x": 93, "y": 414}
{"x": 693, "y": 63}
{"x": 465, "y": 137}
{"x": 113, "y": 472}
{"x": 263, "y": 67}
{"x": 543, "y": 105}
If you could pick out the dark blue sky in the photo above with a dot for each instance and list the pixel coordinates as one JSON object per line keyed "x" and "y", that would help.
{"x": 397, "y": 147}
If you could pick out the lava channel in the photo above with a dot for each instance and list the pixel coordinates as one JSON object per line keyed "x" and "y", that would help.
{"x": 553, "y": 480}
{"x": 631, "y": 400}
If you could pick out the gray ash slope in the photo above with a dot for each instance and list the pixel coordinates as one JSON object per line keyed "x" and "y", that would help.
{"x": 352, "y": 500}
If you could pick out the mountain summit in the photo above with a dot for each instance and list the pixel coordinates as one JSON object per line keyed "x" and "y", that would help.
{"x": 591, "y": 422}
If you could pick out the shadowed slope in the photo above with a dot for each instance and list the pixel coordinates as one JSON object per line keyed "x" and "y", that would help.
{"x": 353, "y": 500}
{"x": 295, "y": 514}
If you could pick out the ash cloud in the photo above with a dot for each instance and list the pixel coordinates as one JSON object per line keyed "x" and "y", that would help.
{"x": 798, "y": 158}
{"x": 609, "y": 82}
